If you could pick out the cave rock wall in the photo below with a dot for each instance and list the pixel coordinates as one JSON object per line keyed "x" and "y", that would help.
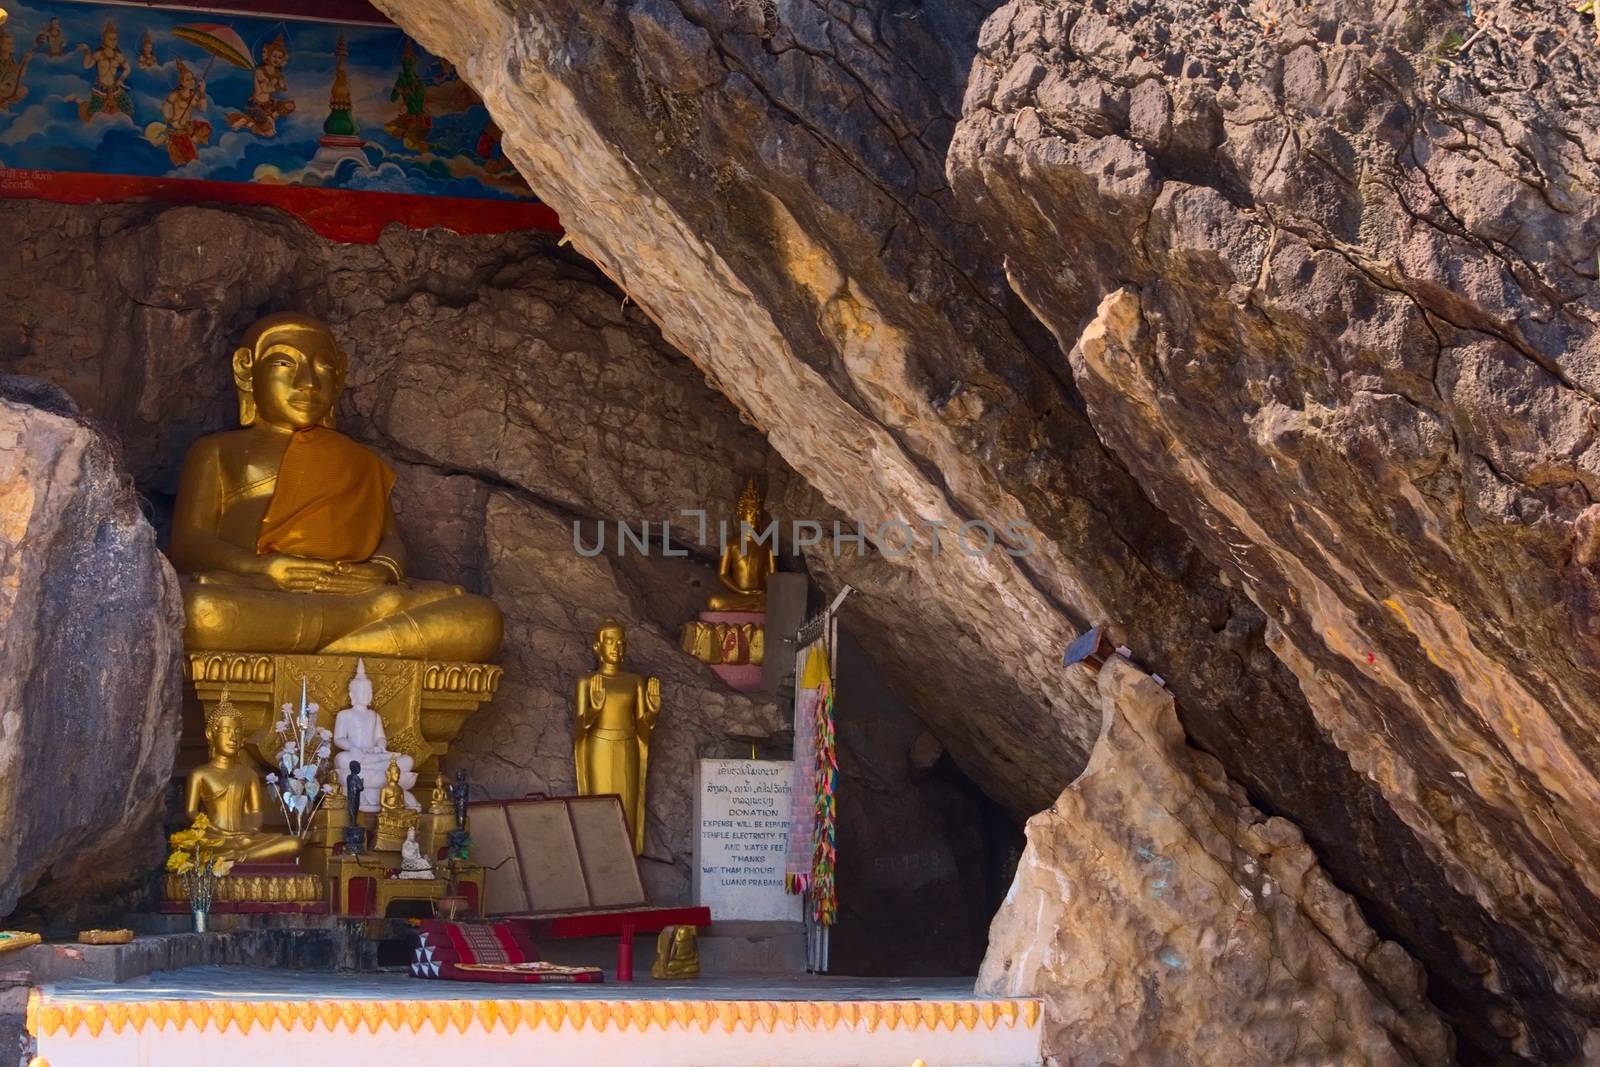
{"x": 91, "y": 627}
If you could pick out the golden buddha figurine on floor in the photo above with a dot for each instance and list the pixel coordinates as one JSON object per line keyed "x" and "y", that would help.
{"x": 745, "y": 564}
{"x": 617, "y": 712}
{"x": 283, "y": 528}
{"x": 677, "y": 953}
{"x": 227, "y": 790}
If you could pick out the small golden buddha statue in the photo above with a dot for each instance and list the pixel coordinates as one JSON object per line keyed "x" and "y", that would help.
{"x": 677, "y": 953}
{"x": 617, "y": 712}
{"x": 284, "y": 530}
{"x": 393, "y": 796}
{"x": 227, "y": 791}
{"x": 745, "y": 564}
{"x": 439, "y": 802}
{"x": 394, "y": 817}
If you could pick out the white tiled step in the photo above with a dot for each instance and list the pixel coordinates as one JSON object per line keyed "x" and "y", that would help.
{"x": 204, "y": 1016}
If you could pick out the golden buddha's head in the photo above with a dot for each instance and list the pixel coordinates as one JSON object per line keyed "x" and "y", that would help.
{"x": 224, "y": 732}
{"x": 288, "y": 370}
{"x": 749, "y": 507}
{"x": 392, "y": 775}
{"x": 610, "y": 643}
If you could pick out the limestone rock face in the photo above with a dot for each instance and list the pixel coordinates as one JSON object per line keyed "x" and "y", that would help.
{"x": 91, "y": 627}
{"x": 1331, "y": 299}
{"x": 1166, "y": 921}
{"x": 1325, "y": 470}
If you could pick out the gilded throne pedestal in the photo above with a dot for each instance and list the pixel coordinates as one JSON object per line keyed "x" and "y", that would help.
{"x": 423, "y": 704}
{"x": 731, "y": 643}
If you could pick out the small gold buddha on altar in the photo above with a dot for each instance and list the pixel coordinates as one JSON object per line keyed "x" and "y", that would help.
{"x": 617, "y": 712}
{"x": 227, "y": 791}
{"x": 284, "y": 531}
{"x": 394, "y": 817}
{"x": 730, "y": 635}
{"x": 745, "y": 563}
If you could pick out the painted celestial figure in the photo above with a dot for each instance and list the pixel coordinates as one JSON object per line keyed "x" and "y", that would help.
{"x": 109, "y": 96}
{"x": 413, "y": 124}
{"x": 12, "y": 70}
{"x": 284, "y": 530}
{"x": 268, "y": 96}
{"x": 182, "y": 130}
{"x": 617, "y": 712}
{"x": 52, "y": 41}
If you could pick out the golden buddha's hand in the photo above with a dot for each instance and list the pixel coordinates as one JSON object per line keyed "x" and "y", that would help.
{"x": 301, "y": 575}
{"x": 348, "y": 579}
{"x": 652, "y": 702}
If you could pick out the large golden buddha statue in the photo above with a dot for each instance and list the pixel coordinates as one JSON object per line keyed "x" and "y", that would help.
{"x": 746, "y": 563}
{"x": 283, "y": 528}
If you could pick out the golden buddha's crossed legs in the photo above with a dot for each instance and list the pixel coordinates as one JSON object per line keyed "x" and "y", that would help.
{"x": 464, "y": 627}
{"x": 264, "y": 848}
{"x": 415, "y": 620}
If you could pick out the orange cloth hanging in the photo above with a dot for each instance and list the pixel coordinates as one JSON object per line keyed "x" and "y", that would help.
{"x": 331, "y": 499}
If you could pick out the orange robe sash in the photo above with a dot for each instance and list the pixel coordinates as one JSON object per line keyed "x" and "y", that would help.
{"x": 331, "y": 499}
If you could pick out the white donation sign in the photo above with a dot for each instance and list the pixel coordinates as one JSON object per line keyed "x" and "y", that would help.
{"x": 742, "y": 809}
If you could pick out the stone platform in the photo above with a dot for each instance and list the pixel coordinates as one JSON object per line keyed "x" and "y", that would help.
{"x": 200, "y": 1016}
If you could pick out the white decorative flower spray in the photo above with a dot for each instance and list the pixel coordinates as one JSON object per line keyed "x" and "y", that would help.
{"x": 297, "y": 783}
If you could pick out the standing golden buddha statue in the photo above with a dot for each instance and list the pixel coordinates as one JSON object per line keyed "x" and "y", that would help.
{"x": 617, "y": 712}
{"x": 284, "y": 532}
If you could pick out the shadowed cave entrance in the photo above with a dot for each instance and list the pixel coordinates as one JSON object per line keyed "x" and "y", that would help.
{"x": 516, "y": 392}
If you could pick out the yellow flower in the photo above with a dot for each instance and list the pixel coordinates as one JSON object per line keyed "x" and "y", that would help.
{"x": 222, "y": 867}
{"x": 193, "y": 836}
{"x": 179, "y": 863}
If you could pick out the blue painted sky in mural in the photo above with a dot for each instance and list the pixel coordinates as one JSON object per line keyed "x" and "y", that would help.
{"x": 43, "y": 129}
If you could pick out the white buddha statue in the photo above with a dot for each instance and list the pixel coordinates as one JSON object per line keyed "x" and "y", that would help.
{"x": 358, "y": 735}
{"x": 412, "y": 862}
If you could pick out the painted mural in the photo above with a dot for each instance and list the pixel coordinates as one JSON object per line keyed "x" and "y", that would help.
{"x": 172, "y": 93}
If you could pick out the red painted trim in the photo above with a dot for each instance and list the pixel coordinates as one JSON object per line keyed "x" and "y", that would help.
{"x": 349, "y": 215}
{"x": 610, "y": 923}
{"x": 250, "y": 907}
{"x": 313, "y": 10}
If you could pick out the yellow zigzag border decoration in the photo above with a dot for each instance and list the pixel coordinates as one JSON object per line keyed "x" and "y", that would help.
{"x": 48, "y": 1017}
